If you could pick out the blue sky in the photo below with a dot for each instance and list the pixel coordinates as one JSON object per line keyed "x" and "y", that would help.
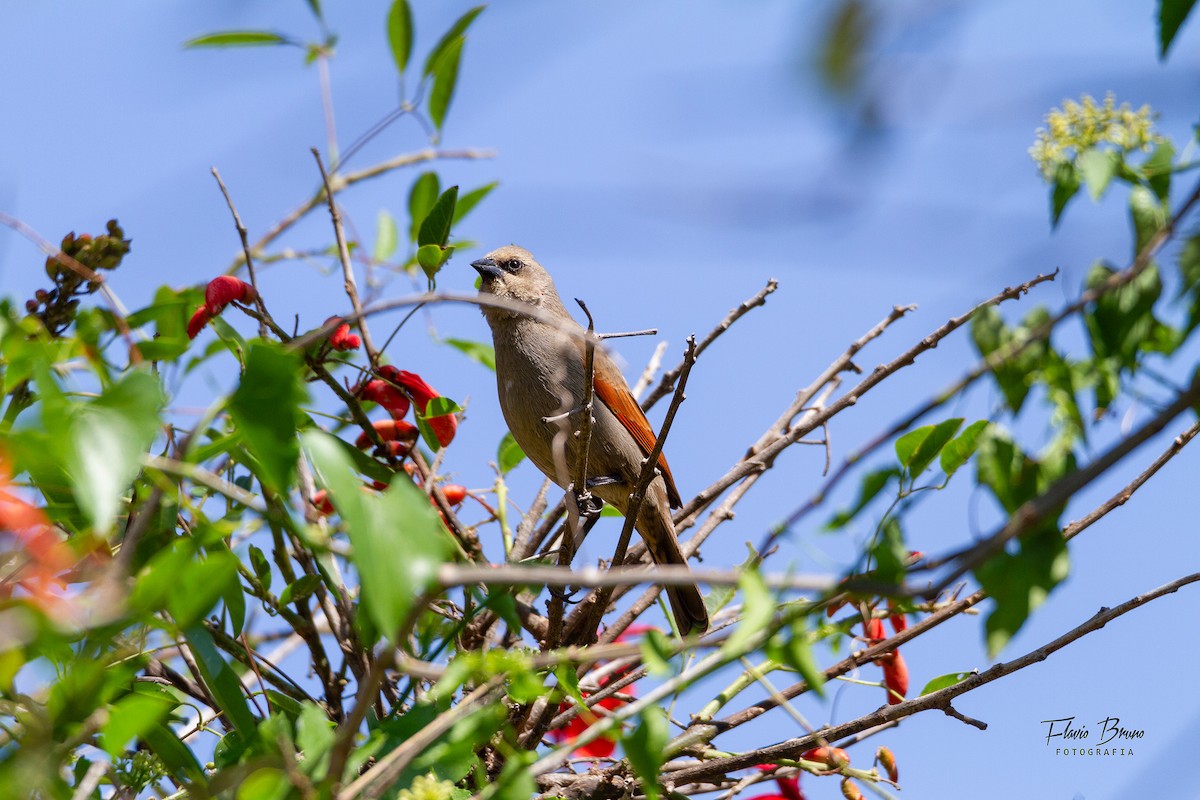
{"x": 664, "y": 160}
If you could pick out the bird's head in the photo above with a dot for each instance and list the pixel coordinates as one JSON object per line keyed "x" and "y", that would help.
{"x": 512, "y": 272}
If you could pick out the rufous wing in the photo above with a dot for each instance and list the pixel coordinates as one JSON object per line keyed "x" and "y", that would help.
{"x": 614, "y": 392}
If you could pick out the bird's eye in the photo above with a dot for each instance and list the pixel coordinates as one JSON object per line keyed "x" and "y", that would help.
{"x": 512, "y": 265}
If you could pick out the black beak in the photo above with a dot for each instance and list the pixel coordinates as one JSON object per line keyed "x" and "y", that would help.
{"x": 487, "y": 269}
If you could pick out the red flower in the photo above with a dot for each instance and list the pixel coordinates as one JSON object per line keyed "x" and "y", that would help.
{"x": 399, "y": 435}
{"x": 198, "y": 321}
{"x": 43, "y": 560}
{"x": 322, "y": 503}
{"x": 895, "y": 677}
{"x": 342, "y": 338}
{"x": 223, "y": 290}
{"x": 454, "y": 493}
{"x": 789, "y": 787}
{"x": 387, "y": 395}
{"x": 873, "y": 630}
{"x": 897, "y": 618}
{"x": 602, "y": 747}
{"x": 443, "y": 426}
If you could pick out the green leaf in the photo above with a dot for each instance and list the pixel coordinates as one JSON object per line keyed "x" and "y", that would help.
{"x": 315, "y": 6}
{"x": 1065, "y": 186}
{"x": 431, "y": 257}
{"x": 262, "y": 567}
{"x": 796, "y": 652}
{"x": 1014, "y": 374}
{"x": 109, "y": 437}
{"x": 471, "y": 199}
{"x": 265, "y": 408}
{"x": 421, "y": 197}
{"x": 170, "y": 313}
{"x": 238, "y": 39}
{"x": 385, "y": 236}
{"x": 448, "y": 38}
{"x": 1121, "y": 323}
{"x": 644, "y": 748}
{"x": 435, "y": 229}
{"x": 656, "y": 653}
{"x": 917, "y": 449}
{"x": 436, "y": 407}
{"x": 177, "y": 757}
{"x": 516, "y": 781}
{"x": 944, "y": 682}
{"x": 1157, "y": 170}
{"x": 445, "y": 78}
{"x": 508, "y": 454}
{"x": 476, "y": 351}
{"x": 198, "y": 587}
{"x": 400, "y": 33}
{"x": 871, "y": 485}
{"x": 890, "y": 553}
{"x": 959, "y": 450}
{"x": 758, "y": 609}
{"x": 222, "y": 682}
{"x": 301, "y": 588}
{"x": 392, "y": 576}
{"x": 132, "y": 716}
{"x": 235, "y": 604}
{"x": 1020, "y": 582}
{"x": 1098, "y": 168}
{"x": 1171, "y": 14}
{"x": 1148, "y": 215}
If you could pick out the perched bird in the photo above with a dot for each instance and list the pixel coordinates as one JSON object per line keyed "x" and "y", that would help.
{"x": 540, "y": 377}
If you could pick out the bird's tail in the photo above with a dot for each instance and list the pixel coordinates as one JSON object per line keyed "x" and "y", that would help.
{"x": 687, "y": 604}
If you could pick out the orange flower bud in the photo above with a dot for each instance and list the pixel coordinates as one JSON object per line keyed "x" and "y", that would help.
{"x": 833, "y": 757}
{"x": 887, "y": 760}
{"x": 850, "y": 791}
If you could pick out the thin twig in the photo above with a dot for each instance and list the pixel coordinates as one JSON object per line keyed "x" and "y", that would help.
{"x": 587, "y": 616}
{"x": 350, "y": 284}
{"x": 935, "y": 700}
{"x": 340, "y": 182}
{"x": 668, "y": 379}
{"x": 241, "y": 229}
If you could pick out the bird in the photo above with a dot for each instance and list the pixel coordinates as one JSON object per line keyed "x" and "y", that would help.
{"x": 540, "y": 378}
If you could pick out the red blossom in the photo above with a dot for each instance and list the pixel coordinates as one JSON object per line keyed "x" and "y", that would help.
{"x": 342, "y": 338}
{"x": 895, "y": 677}
{"x": 896, "y": 618}
{"x": 602, "y": 747}
{"x": 388, "y": 396}
{"x": 789, "y": 787}
{"x": 223, "y": 290}
{"x": 873, "y": 630}
{"x": 198, "y": 321}
{"x": 44, "y": 561}
{"x": 454, "y": 493}
{"x": 399, "y": 435}
{"x": 322, "y": 503}
{"x": 445, "y": 426}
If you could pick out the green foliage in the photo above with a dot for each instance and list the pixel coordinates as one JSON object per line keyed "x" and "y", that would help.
{"x": 265, "y": 408}
{"x": 238, "y": 39}
{"x": 392, "y": 579}
{"x": 400, "y": 33}
{"x": 1171, "y": 15}
{"x": 644, "y": 747}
